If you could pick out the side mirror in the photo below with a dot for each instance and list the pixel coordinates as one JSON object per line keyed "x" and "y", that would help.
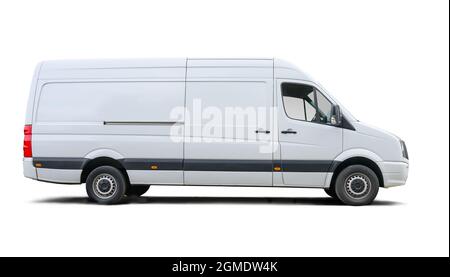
{"x": 336, "y": 116}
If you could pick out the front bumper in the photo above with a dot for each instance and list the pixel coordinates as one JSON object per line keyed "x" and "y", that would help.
{"x": 394, "y": 173}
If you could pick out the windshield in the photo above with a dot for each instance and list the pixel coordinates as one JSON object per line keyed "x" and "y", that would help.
{"x": 344, "y": 111}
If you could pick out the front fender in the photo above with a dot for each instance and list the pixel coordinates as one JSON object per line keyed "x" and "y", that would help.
{"x": 358, "y": 152}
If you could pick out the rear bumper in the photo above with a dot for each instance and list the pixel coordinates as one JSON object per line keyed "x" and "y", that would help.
{"x": 62, "y": 176}
{"x": 29, "y": 170}
{"x": 394, "y": 173}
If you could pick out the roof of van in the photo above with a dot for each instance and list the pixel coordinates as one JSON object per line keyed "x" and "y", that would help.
{"x": 58, "y": 69}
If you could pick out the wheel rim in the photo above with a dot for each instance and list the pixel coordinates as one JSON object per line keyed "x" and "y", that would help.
{"x": 357, "y": 185}
{"x": 105, "y": 186}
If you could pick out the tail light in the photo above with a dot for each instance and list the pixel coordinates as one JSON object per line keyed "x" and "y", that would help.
{"x": 404, "y": 150}
{"x": 27, "y": 152}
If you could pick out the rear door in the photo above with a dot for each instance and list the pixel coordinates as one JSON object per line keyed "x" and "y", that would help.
{"x": 308, "y": 142}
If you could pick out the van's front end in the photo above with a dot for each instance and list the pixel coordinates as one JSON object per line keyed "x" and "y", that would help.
{"x": 387, "y": 150}
{"x": 367, "y": 159}
{"x": 383, "y": 151}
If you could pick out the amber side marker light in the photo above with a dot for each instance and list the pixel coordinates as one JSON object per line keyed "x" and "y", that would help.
{"x": 153, "y": 167}
{"x": 277, "y": 168}
{"x": 38, "y": 165}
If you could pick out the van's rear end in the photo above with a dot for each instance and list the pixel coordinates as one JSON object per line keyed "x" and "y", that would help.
{"x": 29, "y": 170}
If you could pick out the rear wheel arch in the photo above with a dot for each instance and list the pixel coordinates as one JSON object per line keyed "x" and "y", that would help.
{"x": 358, "y": 161}
{"x": 90, "y": 165}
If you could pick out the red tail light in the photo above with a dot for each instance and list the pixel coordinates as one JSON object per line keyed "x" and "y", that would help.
{"x": 27, "y": 153}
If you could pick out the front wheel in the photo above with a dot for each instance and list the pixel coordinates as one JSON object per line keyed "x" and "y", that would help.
{"x": 137, "y": 190}
{"x": 330, "y": 192}
{"x": 106, "y": 185}
{"x": 357, "y": 185}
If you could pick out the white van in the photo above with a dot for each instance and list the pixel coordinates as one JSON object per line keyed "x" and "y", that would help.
{"x": 122, "y": 125}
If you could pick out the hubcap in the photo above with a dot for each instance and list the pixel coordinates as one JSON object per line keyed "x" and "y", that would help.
{"x": 357, "y": 185}
{"x": 105, "y": 186}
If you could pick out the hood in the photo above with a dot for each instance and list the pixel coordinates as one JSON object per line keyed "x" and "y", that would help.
{"x": 373, "y": 131}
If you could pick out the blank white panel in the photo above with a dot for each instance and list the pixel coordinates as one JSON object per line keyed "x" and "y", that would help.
{"x": 238, "y": 101}
{"x": 128, "y": 146}
{"x": 229, "y": 72}
{"x": 228, "y": 149}
{"x": 109, "y": 101}
{"x": 59, "y": 175}
{"x": 114, "y": 69}
{"x": 159, "y": 177}
{"x": 236, "y": 64}
{"x": 305, "y": 179}
{"x": 113, "y": 73}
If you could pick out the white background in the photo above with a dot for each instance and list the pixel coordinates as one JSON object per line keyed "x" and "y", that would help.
{"x": 386, "y": 61}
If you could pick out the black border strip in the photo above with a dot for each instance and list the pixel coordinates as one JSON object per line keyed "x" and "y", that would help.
{"x": 228, "y": 165}
{"x": 228, "y": 266}
{"x": 60, "y": 163}
{"x": 145, "y": 164}
{"x": 198, "y": 164}
{"x": 306, "y": 165}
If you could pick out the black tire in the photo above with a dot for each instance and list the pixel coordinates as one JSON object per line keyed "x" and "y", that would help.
{"x": 331, "y": 192}
{"x": 106, "y": 185}
{"x": 137, "y": 190}
{"x": 357, "y": 185}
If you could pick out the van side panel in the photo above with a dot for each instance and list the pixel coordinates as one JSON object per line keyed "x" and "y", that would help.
{"x": 78, "y": 115}
{"x": 81, "y": 103}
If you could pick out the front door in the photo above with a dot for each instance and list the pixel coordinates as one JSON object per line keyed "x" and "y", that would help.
{"x": 308, "y": 142}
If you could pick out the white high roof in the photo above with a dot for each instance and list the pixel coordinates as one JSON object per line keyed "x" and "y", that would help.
{"x": 155, "y": 68}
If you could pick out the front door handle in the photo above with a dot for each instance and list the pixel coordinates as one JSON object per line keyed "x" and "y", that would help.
{"x": 289, "y": 131}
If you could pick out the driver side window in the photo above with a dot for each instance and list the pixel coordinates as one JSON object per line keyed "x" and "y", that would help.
{"x": 303, "y": 102}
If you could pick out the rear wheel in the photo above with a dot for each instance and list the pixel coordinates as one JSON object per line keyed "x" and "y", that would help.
{"x": 106, "y": 185}
{"x": 137, "y": 190}
{"x": 357, "y": 185}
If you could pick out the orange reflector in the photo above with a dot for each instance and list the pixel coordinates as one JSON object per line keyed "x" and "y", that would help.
{"x": 277, "y": 168}
{"x": 38, "y": 165}
{"x": 154, "y": 167}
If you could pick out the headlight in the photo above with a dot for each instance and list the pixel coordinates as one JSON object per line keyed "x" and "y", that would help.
{"x": 404, "y": 150}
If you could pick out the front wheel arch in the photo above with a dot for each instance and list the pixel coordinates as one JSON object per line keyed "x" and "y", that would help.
{"x": 357, "y": 161}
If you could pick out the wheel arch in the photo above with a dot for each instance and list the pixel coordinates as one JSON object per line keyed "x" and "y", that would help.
{"x": 358, "y": 160}
{"x": 92, "y": 164}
